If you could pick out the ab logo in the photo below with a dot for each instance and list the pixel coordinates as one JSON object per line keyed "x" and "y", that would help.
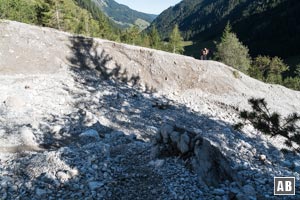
{"x": 284, "y": 186}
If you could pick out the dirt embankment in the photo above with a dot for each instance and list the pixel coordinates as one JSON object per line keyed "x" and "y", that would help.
{"x": 29, "y": 49}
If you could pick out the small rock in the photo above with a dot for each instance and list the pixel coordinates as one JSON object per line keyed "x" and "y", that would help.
{"x": 91, "y": 134}
{"x": 235, "y": 190}
{"x": 175, "y": 137}
{"x": 132, "y": 137}
{"x": 157, "y": 163}
{"x": 241, "y": 196}
{"x": 117, "y": 134}
{"x": 296, "y": 165}
{"x": 73, "y": 172}
{"x": 287, "y": 163}
{"x": 262, "y": 157}
{"x": 15, "y": 102}
{"x": 40, "y": 192}
{"x": 249, "y": 190}
{"x": 94, "y": 185}
{"x": 62, "y": 176}
{"x": 94, "y": 167}
{"x": 155, "y": 152}
{"x": 183, "y": 145}
{"x": 219, "y": 192}
{"x": 57, "y": 129}
{"x": 165, "y": 131}
{"x": 278, "y": 154}
{"x": 27, "y": 136}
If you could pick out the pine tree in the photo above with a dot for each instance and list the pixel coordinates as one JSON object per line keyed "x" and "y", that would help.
{"x": 42, "y": 9}
{"x": 176, "y": 41}
{"x": 272, "y": 124}
{"x": 297, "y": 70}
{"x": 232, "y": 52}
{"x": 155, "y": 40}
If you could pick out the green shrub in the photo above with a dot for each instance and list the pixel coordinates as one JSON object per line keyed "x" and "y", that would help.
{"x": 236, "y": 74}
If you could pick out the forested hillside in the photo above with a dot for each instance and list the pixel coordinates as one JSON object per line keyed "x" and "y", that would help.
{"x": 269, "y": 27}
{"x": 84, "y": 17}
{"x": 76, "y": 16}
{"x": 123, "y": 15}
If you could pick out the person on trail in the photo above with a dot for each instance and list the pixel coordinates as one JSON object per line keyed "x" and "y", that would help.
{"x": 204, "y": 53}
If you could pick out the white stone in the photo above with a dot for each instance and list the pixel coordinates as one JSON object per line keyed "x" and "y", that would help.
{"x": 62, "y": 176}
{"x": 262, "y": 157}
{"x": 27, "y": 136}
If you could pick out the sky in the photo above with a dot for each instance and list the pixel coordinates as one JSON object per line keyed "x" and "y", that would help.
{"x": 149, "y": 6}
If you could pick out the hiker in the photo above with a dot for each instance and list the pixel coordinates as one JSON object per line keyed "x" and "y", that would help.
{"x": 204, "y": 53}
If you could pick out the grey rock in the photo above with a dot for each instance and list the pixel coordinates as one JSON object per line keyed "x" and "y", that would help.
{"x": 287, "y": 163}
{"x": 278, "y": 154}
{"x": 94, "y": 185}
{"x": 117, "y": 134}
{"x": 158, "y": 138}
{"x": 157, "y": 163}
{"x": 219, "y": 192}
{"x": 183, "y": 145}
{"x": 218, "y": 198}
{"x": 155, "y": 152}
{"x": 165, "y": 131}
{"x": 249, "y": 190}
{"x": 4, "y": 195}
{"x": 91, "y": 133}
{"x": 241, "y": 196}
{"x": 235, "y": 190}
{"x": 296, "y": 165}
{"x": 175, "y": 137}
{"x": 40, "y": 192}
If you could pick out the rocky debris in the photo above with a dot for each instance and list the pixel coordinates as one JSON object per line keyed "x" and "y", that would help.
{"x": 65, "y": 100}
{"x": 207, "y": 160}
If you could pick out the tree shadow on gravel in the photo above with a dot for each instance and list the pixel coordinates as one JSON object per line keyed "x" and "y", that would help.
{"x": 86, "y": 55}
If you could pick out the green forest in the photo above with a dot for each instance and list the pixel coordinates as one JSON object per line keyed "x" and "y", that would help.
{"x": 85, "y": 18}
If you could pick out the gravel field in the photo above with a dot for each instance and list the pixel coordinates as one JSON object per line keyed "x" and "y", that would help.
{"x": 84, "y": 118}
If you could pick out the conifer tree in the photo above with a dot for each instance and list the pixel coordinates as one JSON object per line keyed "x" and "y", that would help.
{"x": 176, "y": 41}
{"x": 297, "y": 70}
{"x": 155, "y": 40}
{"x": 232, "y": 52}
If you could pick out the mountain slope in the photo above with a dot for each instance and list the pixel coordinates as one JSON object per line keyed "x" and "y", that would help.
{"x": 266, "y": 27}
{"x": 123, "y": 15}
{"x": 78, "y": 113}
